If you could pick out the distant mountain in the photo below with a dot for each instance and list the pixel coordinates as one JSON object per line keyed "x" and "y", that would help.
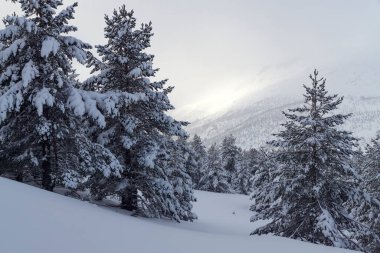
{"x": 256, "y": 117}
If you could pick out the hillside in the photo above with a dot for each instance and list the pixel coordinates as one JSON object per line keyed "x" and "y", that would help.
{"x": 255, "y": 117}
{"x": 37, "y": 221}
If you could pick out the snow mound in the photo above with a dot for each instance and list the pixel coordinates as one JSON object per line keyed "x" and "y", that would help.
{"x": 35, "y": 221}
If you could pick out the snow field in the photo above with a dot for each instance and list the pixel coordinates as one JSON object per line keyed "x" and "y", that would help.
{"x": 37, "y": 221}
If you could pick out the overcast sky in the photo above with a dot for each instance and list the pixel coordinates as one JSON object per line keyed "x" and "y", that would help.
{"x": 214, "y": 51}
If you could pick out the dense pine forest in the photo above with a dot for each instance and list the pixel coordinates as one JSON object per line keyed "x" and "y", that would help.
{"x": 112, "y": 136}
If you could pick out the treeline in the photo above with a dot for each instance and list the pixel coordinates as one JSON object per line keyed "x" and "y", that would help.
{"x": 111, "y": 136}
{"x": 224, "y": 168}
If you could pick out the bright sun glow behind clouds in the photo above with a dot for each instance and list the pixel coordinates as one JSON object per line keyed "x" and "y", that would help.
{"x": 214, "y": 51}
{"x": 217, "y": 100}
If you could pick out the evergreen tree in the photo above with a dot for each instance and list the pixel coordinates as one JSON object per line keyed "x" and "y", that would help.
{"x": 247, "y": 165}
{"x": 313, "y": 190}
{"x": 370, "y": 171}
{"x": 253, "y": 158}
{"x": 198, "y": 161}
{"x": 230, "y": 153}
{"x": 178, "y": 156}
{"x": 39, "y": 106}
{"x": 264, "y": 168}
{"x": 215, "y": 179}
{"x": 142, "y": 132}
{"x": 372, "y": 167}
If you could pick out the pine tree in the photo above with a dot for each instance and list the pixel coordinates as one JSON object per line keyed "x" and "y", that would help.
{"x": 230, "y": 153}
{"x": 215, "y": 179}
{"x": 142, "y": 132}
{"x": 254, "y": 157}
{"x": 40, "y": 110}
{"x": 198, "y": 161}
{"x": 247, "y": 165}
{"x": 372, "y": 167}
{"x": 177, "y": 164}
{"x": 313, "y": 191}
{"x": 264, "y": 168}
{"x": 370, "y": 172}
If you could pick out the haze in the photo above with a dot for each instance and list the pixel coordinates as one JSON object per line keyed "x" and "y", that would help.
{"x": 216, "y": 51}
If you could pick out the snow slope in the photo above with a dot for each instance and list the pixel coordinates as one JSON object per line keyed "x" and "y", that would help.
{"x": 37, "y": 221}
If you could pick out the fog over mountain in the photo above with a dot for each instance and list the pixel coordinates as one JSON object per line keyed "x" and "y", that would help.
{"x": 255, "y": 117}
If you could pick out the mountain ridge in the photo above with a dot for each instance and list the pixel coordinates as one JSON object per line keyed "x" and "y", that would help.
{"x": 254, "y": 118}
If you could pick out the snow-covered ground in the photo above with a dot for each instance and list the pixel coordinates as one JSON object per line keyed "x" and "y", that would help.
{"x": 37, "y": 221}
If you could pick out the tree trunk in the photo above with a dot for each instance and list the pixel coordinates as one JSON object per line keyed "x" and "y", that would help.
{"x": 20, "y": 177}
{"x": 129, "y": 199}
{"x": 47, "y": 182}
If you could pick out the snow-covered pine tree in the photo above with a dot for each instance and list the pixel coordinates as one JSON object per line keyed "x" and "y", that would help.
{"x": 253, "y": 158}
{"x": 230, "y": 162}
{"x": 141, "y": 133}
{"x": 41, "y": 137}
{"x": 215, "y": 179}
{"x": 199, "y": 155}
{"x": 248, "y": 161}
{"x": 178, "y": 156}
{"x": 371, "y": 167}
{"x": 314, "y": 190}
{"x": 264, "y": 168}
{"x": 370, "y": 172}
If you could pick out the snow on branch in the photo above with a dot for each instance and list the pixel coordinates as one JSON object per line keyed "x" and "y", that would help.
{"x": 29, "y": 73}
{"x": 13, "y": 49}
{"x": 43, "y": 97}
{"x": 11, "y": 100}
{"x": 96, "y": 105}
{"x": 49, "y": 45}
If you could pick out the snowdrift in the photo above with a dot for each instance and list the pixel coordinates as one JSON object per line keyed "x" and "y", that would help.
{"x": 37, "y": 221}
